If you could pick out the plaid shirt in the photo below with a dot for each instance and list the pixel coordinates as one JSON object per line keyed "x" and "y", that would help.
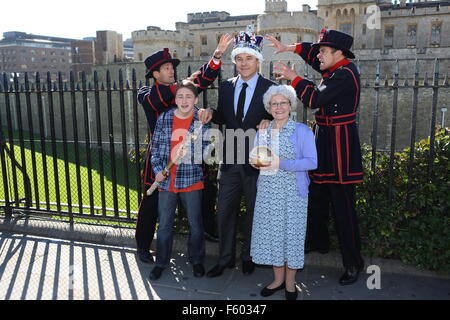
{"x": 188, "y": 171}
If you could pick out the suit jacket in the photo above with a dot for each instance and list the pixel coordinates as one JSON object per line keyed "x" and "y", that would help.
{"x": 225, "y": 115}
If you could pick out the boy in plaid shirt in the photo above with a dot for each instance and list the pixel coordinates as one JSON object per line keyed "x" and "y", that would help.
{"x": 184, "y": 179}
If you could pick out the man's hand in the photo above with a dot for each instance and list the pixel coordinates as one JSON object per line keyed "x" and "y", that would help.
{"x": 205, "y": 115}
{"x": 284, "y": 72}
{"x": 194, "y": 76}
{"x": 224, "y": 42}
{"x": 277, "y": 44}
{"x": 264, "y": 124}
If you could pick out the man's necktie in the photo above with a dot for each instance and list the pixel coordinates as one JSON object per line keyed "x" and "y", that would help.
{"x": 241, "y": 103}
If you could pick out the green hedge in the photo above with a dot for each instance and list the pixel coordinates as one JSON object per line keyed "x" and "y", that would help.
{"x": 415, "y": 225}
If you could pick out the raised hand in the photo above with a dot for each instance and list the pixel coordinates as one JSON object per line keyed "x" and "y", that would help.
{"x": 193, "y": 76}
{"x": 284, "y": 72}
{"x": 224, "y": 42}
{"x": 277, "y": 44}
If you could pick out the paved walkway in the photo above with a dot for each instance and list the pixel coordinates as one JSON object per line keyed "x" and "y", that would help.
{"x": 44, "y": 267}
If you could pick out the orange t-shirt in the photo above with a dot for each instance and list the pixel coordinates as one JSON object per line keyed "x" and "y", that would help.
{"x": 177, "y": 124}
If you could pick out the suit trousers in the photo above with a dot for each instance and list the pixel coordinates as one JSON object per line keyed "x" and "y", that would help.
{"x": 341, "y": 199}
{"x": 234, "y": 183}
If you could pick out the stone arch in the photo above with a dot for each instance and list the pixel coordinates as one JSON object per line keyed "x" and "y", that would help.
{"x": 345, "y": 12}
{"x": 352, "y": 11}
{"x": 338, "y": 13}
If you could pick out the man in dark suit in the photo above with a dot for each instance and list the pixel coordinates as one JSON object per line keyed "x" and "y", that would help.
{"x": 241, "y": 109}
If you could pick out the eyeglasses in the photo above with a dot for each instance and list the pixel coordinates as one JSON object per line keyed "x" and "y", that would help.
{"x": 281, "y": 104}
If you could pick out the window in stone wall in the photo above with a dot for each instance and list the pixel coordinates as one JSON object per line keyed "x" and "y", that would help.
{"x": 346, "y": 27}
{"x": 436, "y": 33}
{"x": 364, "y": 29}
{"x": 389, "y": 36}
{"x": 412, "y": 35}
{"x": 140, "y": 55}
{"x": 204, "y": 40}
{"x": 299, "y": 39}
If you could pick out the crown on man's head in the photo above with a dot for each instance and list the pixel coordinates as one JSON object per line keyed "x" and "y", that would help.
{"x": 246, "y": 42}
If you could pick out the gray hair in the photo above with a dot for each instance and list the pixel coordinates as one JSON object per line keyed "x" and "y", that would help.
{"x": 282, "y": 90}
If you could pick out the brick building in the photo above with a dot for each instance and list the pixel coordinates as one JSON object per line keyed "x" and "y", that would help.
{"x": 21, "y": 52}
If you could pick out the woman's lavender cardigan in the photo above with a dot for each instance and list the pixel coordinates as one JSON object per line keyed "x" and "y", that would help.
{"x": 305, "y": 157}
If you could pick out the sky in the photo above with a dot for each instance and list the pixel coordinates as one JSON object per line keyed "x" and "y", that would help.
{"x": 82, "y": 18}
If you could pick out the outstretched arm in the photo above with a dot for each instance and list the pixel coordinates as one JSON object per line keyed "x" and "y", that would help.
{"x": 304, "y": 50}
{"x": 208, "y": 73}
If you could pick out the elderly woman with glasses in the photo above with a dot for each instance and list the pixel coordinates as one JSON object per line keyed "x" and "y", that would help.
{"x": 284, "y": 152}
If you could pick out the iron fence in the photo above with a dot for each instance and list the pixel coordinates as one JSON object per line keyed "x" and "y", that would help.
{"x": 85, "y": 177}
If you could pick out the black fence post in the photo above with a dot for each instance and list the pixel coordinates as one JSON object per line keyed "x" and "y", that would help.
{"x": 31, "y": 138}
{"x": 62, "y": 111}
{"x": 137, "y": 150}
{"x": 8, "y": 211}
{"x": 87, "y": 138}
{"x": 393, "y": 131}
{"x": 111, "y": 143}
{"x": 433, "y": 119}
{"x": 42, "y": 139}
{"x": 124, "y": 143}
{"x": 375, "y": 116}
{"x": 413, "y": 129}
{"x": 53, "y": 141}
{"x": 99, "y": 142}
{"x": 76, "y": 142}
{"x": 25, "y": 179}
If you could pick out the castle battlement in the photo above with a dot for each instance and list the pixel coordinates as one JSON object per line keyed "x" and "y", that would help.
{"x": 415, "y": 9}
{"x": 276, "y": 6}
{"x": 205, "y": 16}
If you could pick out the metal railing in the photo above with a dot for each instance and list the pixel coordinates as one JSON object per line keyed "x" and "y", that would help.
{"x": 86, "y": 177}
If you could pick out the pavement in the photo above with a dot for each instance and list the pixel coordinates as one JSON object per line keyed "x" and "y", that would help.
{"x": 49, "y": 260}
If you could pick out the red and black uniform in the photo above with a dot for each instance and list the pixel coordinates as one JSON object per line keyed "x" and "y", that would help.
{"x": 336, "y": 100}
{"x": 156, "y": 100}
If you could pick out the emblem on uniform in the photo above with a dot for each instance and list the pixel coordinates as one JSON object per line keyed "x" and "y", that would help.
{"x": 323, "y": 34}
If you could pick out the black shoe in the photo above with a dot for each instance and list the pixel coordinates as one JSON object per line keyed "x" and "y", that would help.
{"x": 248, "y": 267}
{"x": 350, "y": 275}
{"x": 291, "y": 295}
{"x": 210, "y": 237}
{"x": 199, "y": 270}
{"x": 156, "y": 273}
{"x": 309, "y": 249}
{"x": 217, "y": 270}
{"x": 266, "y": 292}
{"x": 145, "y": 256}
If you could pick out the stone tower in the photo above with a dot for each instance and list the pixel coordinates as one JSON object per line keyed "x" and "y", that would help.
{"x": 351, "y": 16}
{"x": 276, "y": 6}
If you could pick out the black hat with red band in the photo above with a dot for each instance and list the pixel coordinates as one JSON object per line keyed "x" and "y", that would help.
{"x": 157, "y": 59}
{"x": 336, "y": 39}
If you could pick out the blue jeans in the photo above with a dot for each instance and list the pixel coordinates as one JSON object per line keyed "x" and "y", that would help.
{"x": 167, "y": 204}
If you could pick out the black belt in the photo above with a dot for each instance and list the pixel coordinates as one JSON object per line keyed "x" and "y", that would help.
{"x": 336, "y": 120}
